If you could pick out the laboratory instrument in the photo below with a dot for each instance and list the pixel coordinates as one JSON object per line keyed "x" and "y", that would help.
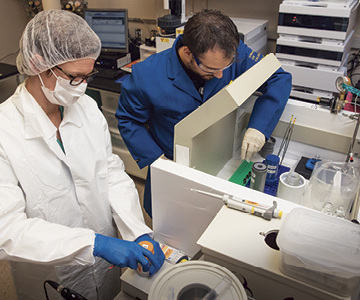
{"x": 248, "y": 206}
{"x": 343, "y": 85}
{"x": 258, "y": 176}
{"x": 192, "y": 145}
{"x": 315, "y": 39}
{"x": 291, "y": 187}
{"x": 310, "y": 19}
{"x": 253, "y": 32}
{"x": 176, "y": 17}
{"x": 212, "y": 282}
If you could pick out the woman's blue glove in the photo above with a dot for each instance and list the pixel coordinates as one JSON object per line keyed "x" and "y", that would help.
{"x": 123, "y": 253}
{"x": 158, "y": 253}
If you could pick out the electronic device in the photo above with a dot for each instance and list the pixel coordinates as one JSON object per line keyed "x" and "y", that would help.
{"x": 313, "y": 76}
{"x": 176, "y": 17}
{"x": 317, "y": 19}
{"x": 111, "y": 25}
{"x": 253, "y": 33}
{"x": 113, "y": 60}
{"x": 309, "y": 94}
{"x": 109, "y": 73}
{"x": 314, "y": 50}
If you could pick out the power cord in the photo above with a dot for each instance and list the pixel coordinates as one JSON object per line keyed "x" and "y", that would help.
{"x": 66, "y": 293}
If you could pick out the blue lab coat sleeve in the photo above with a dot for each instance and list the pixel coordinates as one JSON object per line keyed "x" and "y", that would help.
{"x": 269, "y": 107}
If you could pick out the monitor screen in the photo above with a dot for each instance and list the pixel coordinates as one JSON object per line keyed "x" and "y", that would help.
{"x": 111, "y": 25}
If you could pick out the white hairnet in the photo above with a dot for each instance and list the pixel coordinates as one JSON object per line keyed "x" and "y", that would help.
{"x": 54, "y": 37}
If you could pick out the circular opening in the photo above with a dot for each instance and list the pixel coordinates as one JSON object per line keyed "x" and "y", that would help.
{"x": 195, "y": 291}
{"x": 270, "y": 238}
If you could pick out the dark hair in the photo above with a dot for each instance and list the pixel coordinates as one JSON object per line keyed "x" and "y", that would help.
{"x": 208, "y": 29}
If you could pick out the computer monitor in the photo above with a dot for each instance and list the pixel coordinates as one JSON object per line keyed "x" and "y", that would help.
{"x": 111, "y": 25}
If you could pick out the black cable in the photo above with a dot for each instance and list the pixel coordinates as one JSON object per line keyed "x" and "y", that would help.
{"x": 46, "y": 294}
{"x": 66, "y": 293}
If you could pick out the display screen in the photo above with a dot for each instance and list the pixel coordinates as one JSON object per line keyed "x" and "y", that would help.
{"x": 111, "y": 26}
{"x": 314, "y": 22}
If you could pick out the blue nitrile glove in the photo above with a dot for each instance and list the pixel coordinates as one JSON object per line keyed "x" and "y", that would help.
{"x": 123, "y": 253}
{"x": 158, "y": 253}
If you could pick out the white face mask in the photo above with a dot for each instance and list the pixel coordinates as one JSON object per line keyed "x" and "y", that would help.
{"x": 64, "y": 94}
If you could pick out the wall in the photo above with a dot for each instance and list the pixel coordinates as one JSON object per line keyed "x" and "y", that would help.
{"x": 152, "y": 9}
{"x": 13, "y": 20}
{"x": 256, "y": 9}
{"x": 143, "y": 14}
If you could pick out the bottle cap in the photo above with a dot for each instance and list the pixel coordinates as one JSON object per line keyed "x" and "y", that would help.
{"x": 149, "y": 246}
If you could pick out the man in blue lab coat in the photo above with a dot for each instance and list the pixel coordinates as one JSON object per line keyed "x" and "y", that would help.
{"x": 167, "y": 86}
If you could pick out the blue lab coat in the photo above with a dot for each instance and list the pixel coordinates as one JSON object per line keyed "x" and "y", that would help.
{"x": 159, "y": 93}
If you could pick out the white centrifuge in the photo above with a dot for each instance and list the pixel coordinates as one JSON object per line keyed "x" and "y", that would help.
{"x": 197, "y": 280}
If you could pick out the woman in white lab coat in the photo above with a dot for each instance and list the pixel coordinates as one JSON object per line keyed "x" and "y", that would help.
{"x": 61, "y": 188}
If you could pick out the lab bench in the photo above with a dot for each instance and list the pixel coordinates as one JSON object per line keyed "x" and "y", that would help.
{"x": 123, "y": 296}
{"x": 244, "y": 251}
{"x": 106, "y": 92}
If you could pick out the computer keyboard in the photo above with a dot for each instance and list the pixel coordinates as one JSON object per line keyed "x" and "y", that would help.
{"x": 109, "y": 73}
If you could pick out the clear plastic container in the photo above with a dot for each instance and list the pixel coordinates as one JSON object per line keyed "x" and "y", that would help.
{"x": 172, "y": 255}
{"x": 335, "y": 183}
{"x": 320, "y": 250}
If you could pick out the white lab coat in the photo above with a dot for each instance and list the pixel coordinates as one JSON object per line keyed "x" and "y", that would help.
{"x": 52, "y": 204}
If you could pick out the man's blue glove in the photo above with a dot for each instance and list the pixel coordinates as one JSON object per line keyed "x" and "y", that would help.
{"x": 123, "y": 253}
{"x": 158, "y": 253}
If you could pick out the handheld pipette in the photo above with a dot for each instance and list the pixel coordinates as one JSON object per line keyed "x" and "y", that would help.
{"x": 248, "y": 206}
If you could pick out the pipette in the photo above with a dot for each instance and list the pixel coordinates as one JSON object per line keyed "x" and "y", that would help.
{"x": 248, "y": 206}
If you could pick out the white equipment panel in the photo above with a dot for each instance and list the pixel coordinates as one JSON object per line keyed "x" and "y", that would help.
{"x": 233, "y": 240}
{"x": 323, "y": 52}
{"x": 323, "y": 9}
{"x": 320, "y": 79}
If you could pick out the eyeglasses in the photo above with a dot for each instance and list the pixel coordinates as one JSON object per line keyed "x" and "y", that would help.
{"x": 77, "y": 80}
{"x": 209, "y": 70}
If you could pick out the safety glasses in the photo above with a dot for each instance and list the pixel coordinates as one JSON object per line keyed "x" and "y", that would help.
{"x": 77, "y": 80}
{"x": 209, "y": 70}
